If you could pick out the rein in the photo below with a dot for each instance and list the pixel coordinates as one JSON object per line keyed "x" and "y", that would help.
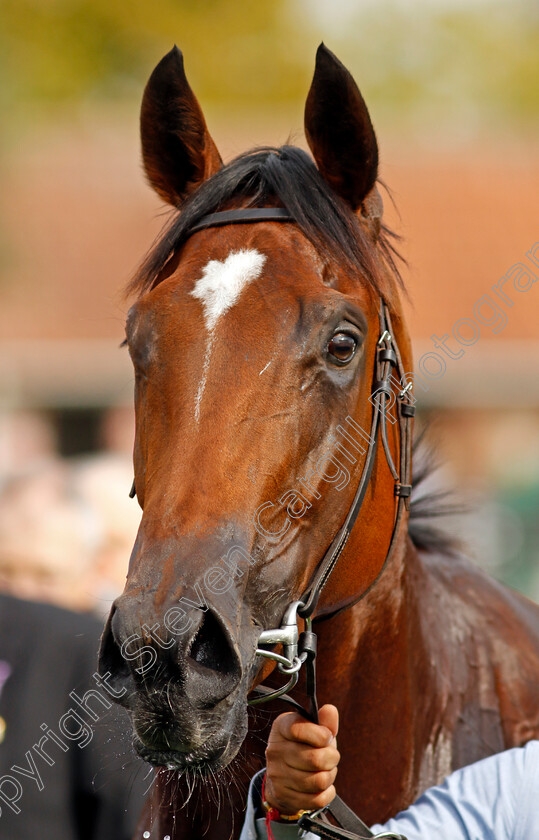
{"x": 300, "y": 649}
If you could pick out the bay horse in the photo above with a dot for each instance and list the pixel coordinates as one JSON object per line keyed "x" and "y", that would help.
{"x": 257, "y": 338}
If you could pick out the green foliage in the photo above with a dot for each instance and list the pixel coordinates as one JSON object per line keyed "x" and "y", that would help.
{"x": 60, "y": 51}
{"x": 476, "y": 62}
{"x": 479, "y": 61}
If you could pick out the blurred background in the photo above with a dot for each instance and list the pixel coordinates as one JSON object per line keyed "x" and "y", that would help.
{"x": 452, "y": 90}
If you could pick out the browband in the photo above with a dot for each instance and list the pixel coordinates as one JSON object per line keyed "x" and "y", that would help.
{"x": 243, "y": 215}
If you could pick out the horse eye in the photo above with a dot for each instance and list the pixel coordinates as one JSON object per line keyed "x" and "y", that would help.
{"x": 342, "y": 347}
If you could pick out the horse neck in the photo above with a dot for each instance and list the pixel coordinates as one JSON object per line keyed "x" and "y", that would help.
{"x": 361, "y": 638}
{"x": 371, "y": 659}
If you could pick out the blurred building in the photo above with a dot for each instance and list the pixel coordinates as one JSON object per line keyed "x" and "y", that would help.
{"x": 76, "y": 218}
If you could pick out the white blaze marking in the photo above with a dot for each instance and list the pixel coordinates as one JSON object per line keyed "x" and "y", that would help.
{"x": 202, "y": 385}
{"x": 218, "y": 289}
{"x": 222, "y": 282}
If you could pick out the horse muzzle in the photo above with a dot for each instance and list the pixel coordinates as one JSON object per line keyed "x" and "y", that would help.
{"x": 185, "y": 693}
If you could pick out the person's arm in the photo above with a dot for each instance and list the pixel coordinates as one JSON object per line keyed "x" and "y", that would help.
{"x": 302, "y": 760}
{"x": 494, "y": 799}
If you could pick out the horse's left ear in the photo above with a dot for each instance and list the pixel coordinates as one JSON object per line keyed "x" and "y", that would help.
{"x": 177, "y": 149}
{"x": 340, "y": 132}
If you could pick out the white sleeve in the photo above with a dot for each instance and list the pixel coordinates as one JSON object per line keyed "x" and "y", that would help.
{"x": 248, "y": 831}
{"x": 494, "y": 799}
{"x": 255, "y": 829}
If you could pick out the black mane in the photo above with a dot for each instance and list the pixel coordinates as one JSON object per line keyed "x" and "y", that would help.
{"x": 432, "y": 507}
{"x": 288, "y": 176}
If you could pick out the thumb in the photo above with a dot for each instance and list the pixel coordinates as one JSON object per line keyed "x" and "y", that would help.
{"x": 329, "y": 716}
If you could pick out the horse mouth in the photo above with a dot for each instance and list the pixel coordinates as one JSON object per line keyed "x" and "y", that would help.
{"x": 203, "y": 759}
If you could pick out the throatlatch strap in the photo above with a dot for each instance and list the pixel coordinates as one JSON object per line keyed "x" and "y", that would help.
{"x": 387, "y": 358}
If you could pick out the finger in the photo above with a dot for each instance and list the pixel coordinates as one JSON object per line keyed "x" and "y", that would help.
{"x": 290, "y": 802}
{"x": 292, "y": 727}
{"x": 300, "y": 757}
{"x": 304, "y": 783}
{"x": 328, "y": 716}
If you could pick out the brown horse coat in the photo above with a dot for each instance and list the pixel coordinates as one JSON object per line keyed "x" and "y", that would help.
{"x": 240, "y": 392}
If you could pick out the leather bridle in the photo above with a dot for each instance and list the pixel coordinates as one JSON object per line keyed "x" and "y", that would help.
{"x": 300, "y": 649}
{"x": 388, "y": 373}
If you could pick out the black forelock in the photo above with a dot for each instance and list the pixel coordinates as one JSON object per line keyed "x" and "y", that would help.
{"x": 263, "y": 177}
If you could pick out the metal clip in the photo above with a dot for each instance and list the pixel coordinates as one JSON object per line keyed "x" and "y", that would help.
{"x": 286, "y": 635}
{"x": 290, "y": 663}
{"x": 407, "y": 389}
{"x": 386, "y": 336}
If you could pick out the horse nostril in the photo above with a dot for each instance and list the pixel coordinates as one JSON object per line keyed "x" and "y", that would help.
{"x": 111, "y": 664}
{"x": 211, "y": 649}
{"x": 213, "y": 668}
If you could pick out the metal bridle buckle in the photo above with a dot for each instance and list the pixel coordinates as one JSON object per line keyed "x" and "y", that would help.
{"x": 289, "y": 662}
{"x": 286, "y": 635}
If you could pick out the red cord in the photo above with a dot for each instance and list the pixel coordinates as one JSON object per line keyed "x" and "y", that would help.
{"x": 271, "y": 813}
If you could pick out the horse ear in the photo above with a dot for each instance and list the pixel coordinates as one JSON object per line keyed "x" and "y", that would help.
{"x": 339, "y": 130}
{"x": 177, "y": 149}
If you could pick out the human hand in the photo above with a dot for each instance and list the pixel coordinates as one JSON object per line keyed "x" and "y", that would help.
{"x": 301, "y": 761}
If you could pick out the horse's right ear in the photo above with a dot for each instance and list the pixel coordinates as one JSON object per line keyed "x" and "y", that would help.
{"x": 177, "y": 149}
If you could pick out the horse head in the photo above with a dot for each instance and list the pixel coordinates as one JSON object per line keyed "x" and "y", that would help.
{"x": 254, "y": 346}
